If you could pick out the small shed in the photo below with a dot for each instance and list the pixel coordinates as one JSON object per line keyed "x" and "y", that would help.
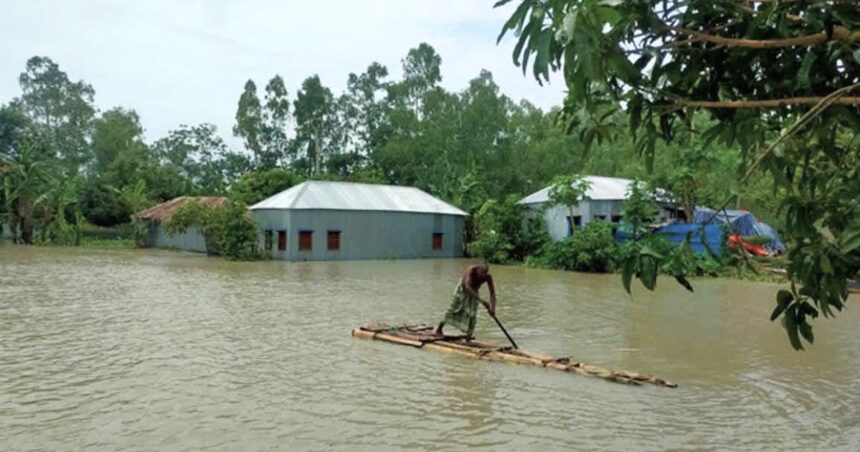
{"x": 604, "y": 201}
{"x": 190, "y": 240}
{"x": 324, "y": 220}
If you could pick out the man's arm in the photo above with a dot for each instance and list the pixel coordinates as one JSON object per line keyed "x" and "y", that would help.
{"x": 492, "y": 288}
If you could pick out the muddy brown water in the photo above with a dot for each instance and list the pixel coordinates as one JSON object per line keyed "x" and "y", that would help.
{"x": 156, "y": 350}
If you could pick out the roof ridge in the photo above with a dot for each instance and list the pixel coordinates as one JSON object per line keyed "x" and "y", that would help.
{"x": 301, "y": 190}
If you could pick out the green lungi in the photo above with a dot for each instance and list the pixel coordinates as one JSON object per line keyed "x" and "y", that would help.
{"x": 463, "y": 312}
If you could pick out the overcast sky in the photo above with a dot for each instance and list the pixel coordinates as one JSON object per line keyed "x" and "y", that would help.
{"x": 186, "y": 61}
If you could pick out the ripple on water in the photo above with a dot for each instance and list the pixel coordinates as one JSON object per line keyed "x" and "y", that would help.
{"x": 157, "y": 350}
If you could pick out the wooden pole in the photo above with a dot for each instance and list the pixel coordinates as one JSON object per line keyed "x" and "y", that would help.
{"x": 504, "y": 330}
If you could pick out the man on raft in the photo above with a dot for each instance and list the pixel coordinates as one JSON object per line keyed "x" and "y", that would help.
{"x": 463, "y": 312}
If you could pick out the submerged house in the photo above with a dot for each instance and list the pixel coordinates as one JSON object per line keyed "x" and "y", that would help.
{"x": 323, "y": 220}
{"x": 603, "y": 202}
{"x": 190, "y": 240}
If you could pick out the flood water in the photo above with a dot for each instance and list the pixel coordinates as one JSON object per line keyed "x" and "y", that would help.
{"x": 157, "y": 350}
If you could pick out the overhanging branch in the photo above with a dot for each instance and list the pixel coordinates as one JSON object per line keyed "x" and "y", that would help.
{"x": 767, "y": 103}
{"x": 840, "y": 33}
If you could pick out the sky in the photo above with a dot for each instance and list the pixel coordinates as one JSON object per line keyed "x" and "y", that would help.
{"x": 186, "y": 61}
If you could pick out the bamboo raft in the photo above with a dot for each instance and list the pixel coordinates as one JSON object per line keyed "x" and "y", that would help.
{"x": 422, "y": 336}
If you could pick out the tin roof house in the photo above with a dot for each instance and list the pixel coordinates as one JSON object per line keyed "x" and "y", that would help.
{"x": 603, "y": 202}
{"x": 325, "y": 220}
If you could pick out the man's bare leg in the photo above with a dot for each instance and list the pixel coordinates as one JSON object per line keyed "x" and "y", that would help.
{"x": 439, "y": 329}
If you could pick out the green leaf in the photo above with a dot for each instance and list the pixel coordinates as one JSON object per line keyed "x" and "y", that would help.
{"x": 806, "y": 332}
{"x": 648, "y": 272}
{"x": 683, "y": 281}
{"x": 849, "y": 241}
{"x": 647, "y": 250}
{"x": 826, "y": 266}
{"x": 516, "y": 18}
{"x": 805, "y": 67}
{"x": 627, "y": 273}
{"x": 783, "y": 300}
{"x": 607, "y": 14}
{"x": 789, "y": 322}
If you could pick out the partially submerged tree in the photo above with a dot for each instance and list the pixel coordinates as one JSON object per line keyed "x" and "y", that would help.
{"x": 779, "y": 79}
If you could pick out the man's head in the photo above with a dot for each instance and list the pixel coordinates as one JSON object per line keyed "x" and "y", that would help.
{"x": 483, "y": 269}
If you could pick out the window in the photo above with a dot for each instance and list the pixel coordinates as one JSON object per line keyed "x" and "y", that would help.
{"x": 573, "y": 225}
{"x": 333, "y": 240}
{"x": 616, "y": 219}
{"x": 267, "y": 240}
{"x": 437, "y": 240}
{"x": 282, "y": 240}
{"x": 600, "y": 217}
{"x": 306, "y": 240}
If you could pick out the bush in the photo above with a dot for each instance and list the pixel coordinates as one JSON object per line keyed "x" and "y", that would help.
{"x": 229, "y": 229}
{"x": 592, "y": 249}
{"x": 505, "y": 233}
{"x": 103, "y": 206}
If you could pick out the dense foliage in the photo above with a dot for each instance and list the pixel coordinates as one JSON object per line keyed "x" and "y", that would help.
{"x": 229, "y": 229}
{"x": 778, "y": 80}
{"x": 505, "y": 232}
{"x": 590, "y": 249}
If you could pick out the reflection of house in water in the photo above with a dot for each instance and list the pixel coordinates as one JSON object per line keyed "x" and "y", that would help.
{"x": 190, "y": 240}
{"x": 604, "y": 201}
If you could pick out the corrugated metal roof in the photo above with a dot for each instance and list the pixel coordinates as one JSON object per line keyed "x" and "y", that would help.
{"x": 354, "y": 196}
{"x": 602, "y": 189}
{"x": 166, "y": 209}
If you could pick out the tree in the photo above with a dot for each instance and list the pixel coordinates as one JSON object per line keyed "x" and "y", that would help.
{"x": 778, "y": 79}
{"x": 505, "y": 231}
{"x": 13, "y": 127}
{"x": 638, "y": 209}
{"x": 568, "y": 191}
{"x": 26, "y": 172}
{"x": 255, "y": 186}
{"x": 249, "y": 121}
{"x": 421, "y": 73}
{"x": 61, "y": 108}
{"x": 200, "y": 156}
{"x": 103, "y": 205}
{"x": 362, "y": 108}
{"x": 276, "y": 114}
{"x": 317, "y": 135}
{"x": 120, "y": 154}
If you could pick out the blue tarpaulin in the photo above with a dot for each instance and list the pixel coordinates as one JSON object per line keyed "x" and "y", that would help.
{"x": 677, "y": 233}
{"x": 741, "y": 222}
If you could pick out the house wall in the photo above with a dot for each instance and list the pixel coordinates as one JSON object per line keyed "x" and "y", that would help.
{"x": 364, "y": 234}
{"x": 556, "y": 216}
{"x": 276, "y": 220}
{"x": 190, "y": 240}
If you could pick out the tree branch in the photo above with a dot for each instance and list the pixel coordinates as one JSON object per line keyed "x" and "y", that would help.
{"x": 766, "y": 103}
{"x": 840, "y": 33}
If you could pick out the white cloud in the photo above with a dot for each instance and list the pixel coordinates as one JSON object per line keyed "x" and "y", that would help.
{"x": 185, "y": 62}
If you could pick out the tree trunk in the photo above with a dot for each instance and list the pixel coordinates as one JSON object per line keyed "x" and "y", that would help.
{"x": 317, "y": 153}
{"x": 25, "y": 214}
{"x": 11, "y": 209}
